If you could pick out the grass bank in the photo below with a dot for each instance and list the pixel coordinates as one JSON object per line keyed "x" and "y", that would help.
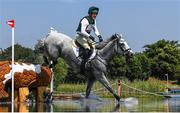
{"x": 138, "y": 88}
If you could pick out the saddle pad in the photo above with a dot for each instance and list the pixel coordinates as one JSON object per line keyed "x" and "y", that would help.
{"x": 75, "y": 49}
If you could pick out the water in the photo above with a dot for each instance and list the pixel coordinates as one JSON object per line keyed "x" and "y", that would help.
{"x": 93, "y": 105}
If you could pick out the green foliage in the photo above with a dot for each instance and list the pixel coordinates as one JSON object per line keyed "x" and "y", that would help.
{"x": 31, "y": 97}
{"x": 20, "y": 53}
{"x": 117, "y": 67}
{"x": 60, "y": 72}
{"x": 134, "y": 68}
{"x": 64, "y": 74}
{"x": 145, "y": 66}
{"x": 74, "y": 77}
{"x": 165, "y": 57}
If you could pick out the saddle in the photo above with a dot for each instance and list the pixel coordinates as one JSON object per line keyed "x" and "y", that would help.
{"x": 78, "y": 50}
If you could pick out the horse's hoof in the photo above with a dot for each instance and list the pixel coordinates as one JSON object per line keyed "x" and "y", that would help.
{"x": 117, "y": 98}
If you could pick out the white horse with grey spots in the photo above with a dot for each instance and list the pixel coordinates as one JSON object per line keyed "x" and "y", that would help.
{"x": 56, "y": 45}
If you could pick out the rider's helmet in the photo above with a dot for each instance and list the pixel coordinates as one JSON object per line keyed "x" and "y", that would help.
{"x": 93, "y": 9}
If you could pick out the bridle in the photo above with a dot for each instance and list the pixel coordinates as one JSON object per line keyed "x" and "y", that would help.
{"x": 120, "y": 46}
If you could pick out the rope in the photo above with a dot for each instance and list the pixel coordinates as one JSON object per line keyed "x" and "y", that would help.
{"x": 141, "y": 90}
{"x": 97, "y": 90}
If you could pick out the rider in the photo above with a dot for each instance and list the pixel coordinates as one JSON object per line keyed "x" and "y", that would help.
{"x": 83, "y": 36}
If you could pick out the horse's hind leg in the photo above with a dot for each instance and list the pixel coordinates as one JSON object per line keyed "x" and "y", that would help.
{"x": 89, "y": 86}
{"x": 103, "y": 80}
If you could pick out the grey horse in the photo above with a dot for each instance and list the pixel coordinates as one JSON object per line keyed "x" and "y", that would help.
{"x": 56, "y": 45}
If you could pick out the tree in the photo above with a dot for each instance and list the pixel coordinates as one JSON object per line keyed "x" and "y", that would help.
{"x": 164, "y": 56}
{"x": 145, "y": 66}
{"x": 74, "y": 77}
{"x": 117, "y": 67}
{"x": 64, "y": 74}
{"x": 20, "y": 53}
{"x": 136, "y": 68}
{"x": 60, "y": 72}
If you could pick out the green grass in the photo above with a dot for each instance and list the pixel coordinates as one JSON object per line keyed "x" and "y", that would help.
{"x": 152, "y": 85}
{"x": 71, "y": 88}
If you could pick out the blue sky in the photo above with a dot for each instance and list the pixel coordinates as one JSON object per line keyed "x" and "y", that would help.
{"x": 140, "y": 21}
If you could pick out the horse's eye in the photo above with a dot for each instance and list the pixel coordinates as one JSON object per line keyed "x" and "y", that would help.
{"x": 117, "y": 35}
{"x": 122, "y": 44}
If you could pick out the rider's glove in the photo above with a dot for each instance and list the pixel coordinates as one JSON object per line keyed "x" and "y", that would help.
{"x": 91, "y": 37}
{"x": 100, "y": 38}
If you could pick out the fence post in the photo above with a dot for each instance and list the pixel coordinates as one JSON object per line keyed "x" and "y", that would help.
{"x": 119, "y": 88}
{"x": 23, "y": 93}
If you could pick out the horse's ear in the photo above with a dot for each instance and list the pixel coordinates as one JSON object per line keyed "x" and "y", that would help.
{"x": 113, "y": 37}
{"x": 121, "y": 36}
{"x": 118, "y": 35}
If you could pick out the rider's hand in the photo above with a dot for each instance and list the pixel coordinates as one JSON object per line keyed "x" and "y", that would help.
{"x": 91, "y": 37}
{"x": 100, "y": 38}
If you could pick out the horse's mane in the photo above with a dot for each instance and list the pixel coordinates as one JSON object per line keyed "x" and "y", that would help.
{"x": 111, "y": 43}
{"x": 104, "y": 43}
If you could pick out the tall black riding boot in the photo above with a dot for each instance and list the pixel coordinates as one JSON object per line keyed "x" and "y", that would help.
{"x": 85, "y": 59}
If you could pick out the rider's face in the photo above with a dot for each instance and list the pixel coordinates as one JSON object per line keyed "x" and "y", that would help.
{"x": 93, "y": 15}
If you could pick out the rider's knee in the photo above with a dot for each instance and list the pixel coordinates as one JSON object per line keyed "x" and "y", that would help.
{"x": 86, "y": 46}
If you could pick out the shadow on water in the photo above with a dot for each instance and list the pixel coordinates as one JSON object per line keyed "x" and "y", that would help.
{"x": 94, "y": 105}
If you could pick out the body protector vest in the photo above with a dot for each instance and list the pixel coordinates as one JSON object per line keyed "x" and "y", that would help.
{"x": 86, "y": 25}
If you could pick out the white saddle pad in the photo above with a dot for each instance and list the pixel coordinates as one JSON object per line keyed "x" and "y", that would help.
{"x": 76, "y": 51}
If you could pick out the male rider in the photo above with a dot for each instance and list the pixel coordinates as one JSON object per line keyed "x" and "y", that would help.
{"x": 84, "y": 37}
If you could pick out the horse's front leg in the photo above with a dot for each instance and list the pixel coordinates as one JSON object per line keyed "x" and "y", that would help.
{"x": 46, "y": 61}
{"x": 53, "y": 63}
{"x": 89, "y": 86}
{"x": 50, "y": 63}
{"x": 103, "y": 80}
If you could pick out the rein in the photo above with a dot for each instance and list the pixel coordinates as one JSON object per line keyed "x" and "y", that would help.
{"x": 121, "y": 44}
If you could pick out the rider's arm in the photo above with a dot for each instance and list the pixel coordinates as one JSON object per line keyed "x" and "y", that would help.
{"x": 84, "y": 24}
{"x": 96, "y": 30}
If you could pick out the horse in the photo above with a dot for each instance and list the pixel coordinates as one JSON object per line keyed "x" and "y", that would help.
{"x": 57, "y": 44}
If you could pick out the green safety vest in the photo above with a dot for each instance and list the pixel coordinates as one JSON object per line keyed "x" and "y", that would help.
{"x": 90, "y": 20}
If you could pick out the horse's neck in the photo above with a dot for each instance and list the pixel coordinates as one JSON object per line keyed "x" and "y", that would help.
{"x": 104, "y": 43}
{"x": 108, "y": 51}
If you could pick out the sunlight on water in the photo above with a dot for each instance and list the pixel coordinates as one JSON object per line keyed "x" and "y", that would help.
{"x": 94, "y": 105}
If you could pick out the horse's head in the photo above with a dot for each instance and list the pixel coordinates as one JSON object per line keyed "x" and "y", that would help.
{"x": 122, "y": 46}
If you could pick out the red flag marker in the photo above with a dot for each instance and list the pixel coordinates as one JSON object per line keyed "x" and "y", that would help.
{"x": 11, "y": 23}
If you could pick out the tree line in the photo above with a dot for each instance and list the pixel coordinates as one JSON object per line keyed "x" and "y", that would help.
{"x": 157, "y": 59}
